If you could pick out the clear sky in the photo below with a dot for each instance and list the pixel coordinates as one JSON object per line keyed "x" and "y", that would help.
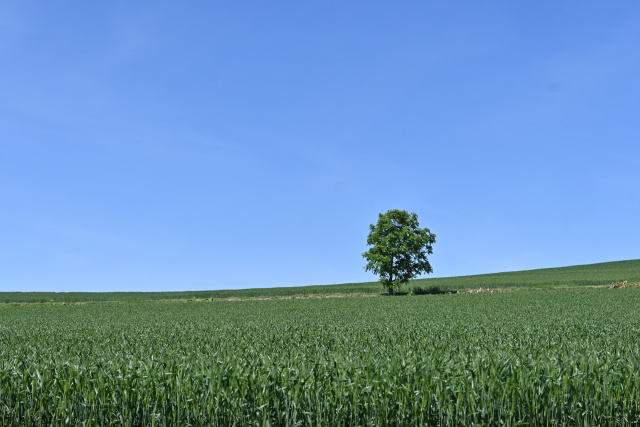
{"x": 154, "y": 145}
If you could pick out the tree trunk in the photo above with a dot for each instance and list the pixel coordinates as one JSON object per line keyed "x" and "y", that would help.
{"x": 391, "y": 278}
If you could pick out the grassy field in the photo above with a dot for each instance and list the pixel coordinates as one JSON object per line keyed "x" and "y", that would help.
{"x": 582, "y": 275}
{"x": 567, "y": 357}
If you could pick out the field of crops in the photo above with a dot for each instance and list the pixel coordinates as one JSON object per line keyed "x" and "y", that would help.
{"x": 567, "y": 357}
{"x": 580, "y": 275}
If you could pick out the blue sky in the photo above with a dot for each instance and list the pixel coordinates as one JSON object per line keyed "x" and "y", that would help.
{"x": 155, "y": 146}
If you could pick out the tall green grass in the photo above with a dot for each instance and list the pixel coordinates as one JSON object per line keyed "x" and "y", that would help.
{"x": 581, "y": 275}
{"x": 567, "y": 357}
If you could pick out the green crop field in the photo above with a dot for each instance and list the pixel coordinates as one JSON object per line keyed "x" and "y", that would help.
{"x": 558, "y": 357}
{"x": 600, "y": 274}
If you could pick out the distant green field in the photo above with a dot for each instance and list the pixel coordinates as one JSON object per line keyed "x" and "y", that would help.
{"x": 580, "y": 275}
{"x": 560, "y": 358}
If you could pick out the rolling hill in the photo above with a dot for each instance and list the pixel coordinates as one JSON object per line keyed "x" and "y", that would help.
{"x": 600, "y": 274}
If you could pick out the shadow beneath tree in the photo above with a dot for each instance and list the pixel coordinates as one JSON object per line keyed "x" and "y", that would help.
{"x": 431, "y": 290}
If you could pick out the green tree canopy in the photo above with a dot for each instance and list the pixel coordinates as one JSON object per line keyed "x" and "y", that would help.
{"x": 399, "y": 249}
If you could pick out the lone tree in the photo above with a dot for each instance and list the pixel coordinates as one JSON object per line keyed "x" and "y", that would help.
{"x": 400, "y": 248}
